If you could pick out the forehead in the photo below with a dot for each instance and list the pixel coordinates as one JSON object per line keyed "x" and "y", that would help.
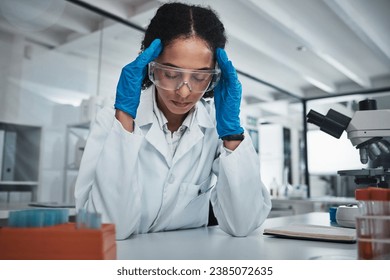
{"x": 189, "y": 53}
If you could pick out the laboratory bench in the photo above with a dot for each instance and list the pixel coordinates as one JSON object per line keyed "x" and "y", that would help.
{"x": 211, "y": 243}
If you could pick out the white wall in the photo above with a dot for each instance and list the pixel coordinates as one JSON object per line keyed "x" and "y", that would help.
{"x": 327, "y": 154}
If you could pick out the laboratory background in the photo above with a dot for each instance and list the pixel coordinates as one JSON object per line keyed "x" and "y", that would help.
{"x": 60, "y": 62}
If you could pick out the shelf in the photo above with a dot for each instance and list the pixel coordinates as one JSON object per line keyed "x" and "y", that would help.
{"x": 24, "y": 183}
{"x": 19, "y": 158}
{"x": 20, "y": 186}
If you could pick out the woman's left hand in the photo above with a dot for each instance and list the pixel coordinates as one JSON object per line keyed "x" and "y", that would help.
{"x": 227, "y": 97}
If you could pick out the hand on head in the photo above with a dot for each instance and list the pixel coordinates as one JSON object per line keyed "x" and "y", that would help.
{"x": 130, "y": 81}
{"x": 227, "y": 96}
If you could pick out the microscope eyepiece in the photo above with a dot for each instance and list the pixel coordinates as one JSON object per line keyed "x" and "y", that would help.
{"x": 334, "y": 123}
{"x": 367, "y": 104}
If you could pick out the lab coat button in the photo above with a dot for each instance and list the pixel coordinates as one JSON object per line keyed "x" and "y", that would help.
{"x": 171, "y": 179}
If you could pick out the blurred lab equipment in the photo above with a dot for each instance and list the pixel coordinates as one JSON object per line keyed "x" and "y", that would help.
{"x": 346, "y": 215}
{"x": 369, "y": 131}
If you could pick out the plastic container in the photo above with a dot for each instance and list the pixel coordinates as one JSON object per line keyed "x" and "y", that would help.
{"x": 373, "y": 201}
{"x": 373, "y": 224}
{"x": 373, "y": 236}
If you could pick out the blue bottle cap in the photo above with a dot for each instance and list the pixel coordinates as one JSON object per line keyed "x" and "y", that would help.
{"x": 332, "y": 214}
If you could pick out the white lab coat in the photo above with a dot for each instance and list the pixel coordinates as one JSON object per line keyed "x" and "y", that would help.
{"x": 133, "y": 182}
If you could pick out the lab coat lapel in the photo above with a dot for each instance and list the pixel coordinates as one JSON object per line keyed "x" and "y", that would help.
{"x": 145, "y": 118}
{"x": 156, "y": 138}
{"x": 188, "y": 140}
{"x": 194, "y": 133}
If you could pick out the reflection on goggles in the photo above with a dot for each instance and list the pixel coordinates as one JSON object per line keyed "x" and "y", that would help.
{"x": 172, "y": 78}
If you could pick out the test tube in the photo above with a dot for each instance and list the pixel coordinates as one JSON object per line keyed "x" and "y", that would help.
{"x": 81, "y": 218}
{"x": 94, "y": 220}
{"x": 85, "y": 219}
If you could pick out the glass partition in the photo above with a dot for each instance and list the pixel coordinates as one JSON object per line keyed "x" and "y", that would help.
{"x": 49, "y": 63}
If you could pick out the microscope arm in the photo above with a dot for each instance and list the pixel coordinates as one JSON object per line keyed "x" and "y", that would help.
{"x": 368, "y": 124}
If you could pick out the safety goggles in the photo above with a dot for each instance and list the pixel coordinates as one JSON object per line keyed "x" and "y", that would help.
{"x": 173, "y": 78}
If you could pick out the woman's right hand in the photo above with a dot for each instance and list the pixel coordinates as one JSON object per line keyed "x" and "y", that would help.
{"x": 130, "y": 81}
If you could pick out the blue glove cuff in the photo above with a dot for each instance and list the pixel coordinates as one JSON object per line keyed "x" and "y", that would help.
{"x": 124, "y": 108}
{"x": 224, "y": 132}
{"x": 234, "y": 137}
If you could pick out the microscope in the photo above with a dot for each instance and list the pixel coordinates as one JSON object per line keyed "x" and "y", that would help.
{"x": 369, "y": 131}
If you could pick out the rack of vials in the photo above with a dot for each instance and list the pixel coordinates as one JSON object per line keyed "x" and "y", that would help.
{"x": 47, "y": 234}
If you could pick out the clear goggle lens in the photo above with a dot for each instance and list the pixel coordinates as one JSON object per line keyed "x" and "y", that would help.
{"x": 172, "y": 78}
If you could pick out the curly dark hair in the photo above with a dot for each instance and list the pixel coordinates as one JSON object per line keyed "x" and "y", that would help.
{"x": 174, "y": 20}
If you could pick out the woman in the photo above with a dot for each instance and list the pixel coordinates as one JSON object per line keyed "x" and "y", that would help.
{"x": 154, "y": 161}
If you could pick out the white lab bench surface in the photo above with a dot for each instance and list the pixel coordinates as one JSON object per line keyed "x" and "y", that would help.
{"x": 208, "y": 243}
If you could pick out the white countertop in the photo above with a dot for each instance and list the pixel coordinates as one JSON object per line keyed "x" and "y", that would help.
{"x": 212, "y": 243}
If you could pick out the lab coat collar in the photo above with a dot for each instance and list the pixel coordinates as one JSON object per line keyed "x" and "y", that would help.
{"x": 155, "y": 136}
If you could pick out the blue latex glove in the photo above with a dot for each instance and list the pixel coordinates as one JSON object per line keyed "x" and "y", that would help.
{"x": 128, "y": 90}
{"x": 227, "y": 97}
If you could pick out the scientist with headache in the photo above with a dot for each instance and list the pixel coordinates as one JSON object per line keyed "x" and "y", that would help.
{"x": 173, "y": 140}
